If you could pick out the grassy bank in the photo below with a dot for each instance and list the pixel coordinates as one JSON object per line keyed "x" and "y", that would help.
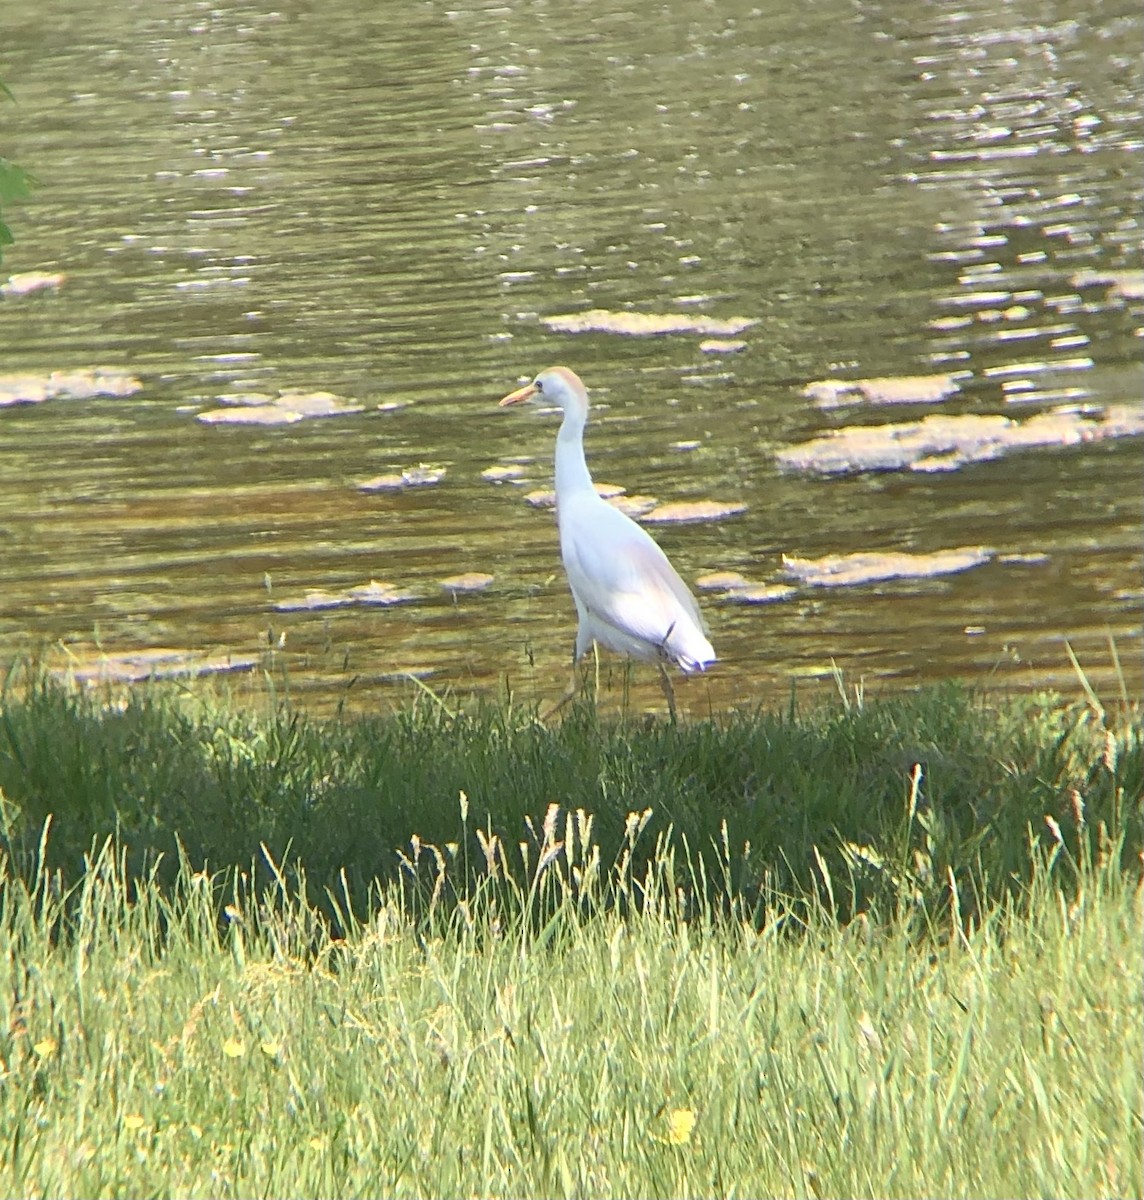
{"x": 148, "y": 1052}
{"x": 890, "y": 799}
{"x": 888, "y": 949}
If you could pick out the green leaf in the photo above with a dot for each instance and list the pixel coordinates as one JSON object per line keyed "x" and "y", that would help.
{"x": 15, "y": 182}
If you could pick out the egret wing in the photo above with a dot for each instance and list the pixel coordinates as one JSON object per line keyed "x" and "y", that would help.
{"x": 622, "y": 576}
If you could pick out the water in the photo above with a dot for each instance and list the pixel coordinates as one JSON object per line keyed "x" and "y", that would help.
{"x": 385, "y": 204}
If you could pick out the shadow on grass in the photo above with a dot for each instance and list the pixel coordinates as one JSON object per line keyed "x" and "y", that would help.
{"x": 899, "y": 801}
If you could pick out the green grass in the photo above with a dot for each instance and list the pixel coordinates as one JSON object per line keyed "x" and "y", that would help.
{"x": 147, "y": 1052}
{"x": 889, "y": 796}
{"x": 265, "y": 955}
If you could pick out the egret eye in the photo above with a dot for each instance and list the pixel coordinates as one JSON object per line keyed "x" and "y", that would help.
{"x": 536, "y": 383}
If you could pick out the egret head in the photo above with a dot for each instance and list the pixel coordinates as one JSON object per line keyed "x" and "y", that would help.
{"x": 555, "y": 385}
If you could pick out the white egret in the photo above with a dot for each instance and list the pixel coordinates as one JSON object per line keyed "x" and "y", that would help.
{"x": 628, "y": 597}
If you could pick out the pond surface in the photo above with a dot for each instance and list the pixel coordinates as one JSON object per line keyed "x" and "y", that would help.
{"x": 746, "y": 229}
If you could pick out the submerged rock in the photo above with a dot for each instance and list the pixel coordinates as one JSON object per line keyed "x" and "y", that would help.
{"x": 318, "y": 404}
{"x": 721, "y": 581}
{"x": 545, "y": 498}
{"x": 26, "y": 387}
{"x": 633, "y": 506}
{"x": 375, "y": 594}
{"x": 471, "y": 581}
{"x": 503, "y": 473}
{"x": 847, "y": 570}
{"x": 422, "y": 476}
{"x": 313, "y": 601}
{"x": 903, "y": 389}
{"x": 254, "y": 408}
{"x": 633, "y": 324}
{"x": 367, "y": 595}
{"x": 138, "y": 665}
{"x": 684, "y": 511}
{"x": 760, "y": 593}
{"x": 1035, "y": 558}
{"x": 382, "y": 483}
{"x": 410, "y": 477}
{"x": 255, "y": 414}
{"x": 26, "y": 282}
{"x": 1127, "y": 284}
{"x": 737, "y": 589}
{"x": 647, "y": 508}
{"x": 944, "y": 443}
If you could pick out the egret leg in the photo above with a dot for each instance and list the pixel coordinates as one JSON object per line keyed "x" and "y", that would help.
{"x": 668, "y": 690}
{"x": 664, "y": 678}
{"x": 569, "y": 692}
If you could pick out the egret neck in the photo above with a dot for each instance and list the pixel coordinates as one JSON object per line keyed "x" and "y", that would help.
{"x": 571, "y": 467}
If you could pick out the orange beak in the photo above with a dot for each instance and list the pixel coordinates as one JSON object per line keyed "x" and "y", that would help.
{"x": 519, "y": 396}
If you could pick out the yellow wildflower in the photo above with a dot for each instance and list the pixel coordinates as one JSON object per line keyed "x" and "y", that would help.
{"x": 132, "y": 1121}
{"x": 233, "y": 1048}
{"x": 680, "y": 1125}
{"x": 47, "y": 1047}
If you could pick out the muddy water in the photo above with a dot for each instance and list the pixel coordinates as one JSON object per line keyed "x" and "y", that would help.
{"x": 247, "y": 201}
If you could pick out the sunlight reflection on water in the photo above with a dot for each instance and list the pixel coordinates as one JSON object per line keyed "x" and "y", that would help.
{"x": 482, "y": 193}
